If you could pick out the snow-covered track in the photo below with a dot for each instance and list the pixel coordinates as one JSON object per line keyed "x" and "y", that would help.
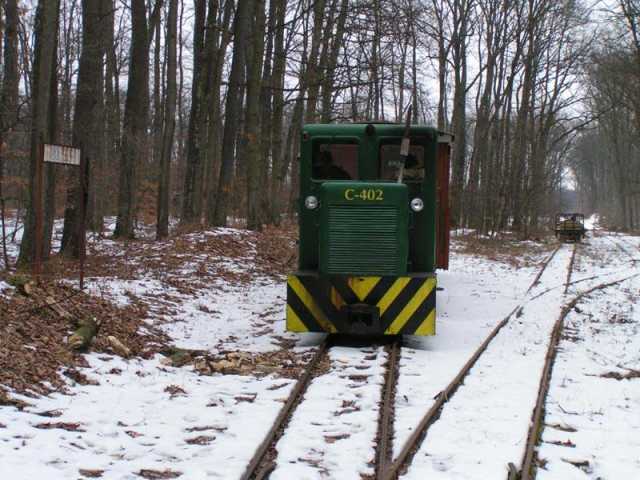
{"x": 570, "y": 269}
{"x": 261, "y": 463}
{"x": 527, "y": 471}
{"x": 413, "y": 443}
{"x": 624, "y": 248}
{"x": 266, "y": 459}
{"x": 546, "y": 263}
{"x": 384, "y": 447}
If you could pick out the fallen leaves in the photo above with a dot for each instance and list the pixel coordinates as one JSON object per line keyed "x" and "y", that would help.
{"x": 158, "y": 475}
{"x": 50, "y": 413}
{"x": 175, "y": 391}
{"x": 622, "y": 376}
{"x": 566, "y": 443}
{"x": 79, "y": 377}
{"x": 583, "y": 465}
{"x": 348, "y": 406}
{"x": 205, "y": 428}
{"x": 90, "y": 473}
{"x": 7, "y": 401}
{"x": 200, "y": 440}
{"x": 562, "y": 427}
{"x": 33, "y": 331}
{"x": 68, "y": 426}
{"x": 246, "y": 398}
{"x": 283, "y": 363}
{"x": 335, "y": 438}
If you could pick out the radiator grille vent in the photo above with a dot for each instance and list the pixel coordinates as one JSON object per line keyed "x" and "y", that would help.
{"x": 363, "y": 239}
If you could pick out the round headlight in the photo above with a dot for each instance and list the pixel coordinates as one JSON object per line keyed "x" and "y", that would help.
{"x": 417, "y": 204}
{"x": 311, "y": 202}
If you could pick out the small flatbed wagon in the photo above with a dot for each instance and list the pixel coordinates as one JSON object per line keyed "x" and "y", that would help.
{"x": 569, "y": 227}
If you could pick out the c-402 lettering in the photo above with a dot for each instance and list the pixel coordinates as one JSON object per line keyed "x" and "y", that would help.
{"x": 365, "y": 194}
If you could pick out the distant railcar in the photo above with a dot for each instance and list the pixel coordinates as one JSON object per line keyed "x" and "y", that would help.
{"x": 569, "y": 227}
{"x": 374, "y": 226}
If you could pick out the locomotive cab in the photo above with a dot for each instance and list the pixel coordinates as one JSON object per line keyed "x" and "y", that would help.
{"x": 372, "y": 230}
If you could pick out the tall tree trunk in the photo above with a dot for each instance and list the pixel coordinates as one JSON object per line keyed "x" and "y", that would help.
{"x": 85, "y": 122}
{"x": 266, "y": 111}
{"x": 162, "y": 226}
{"x": 312, "y": 72}
{"x": 111, "y": 106}
{"x": 214, "y": 136}
{"x": 8, "y": 101}
{"x": 136, "y": 111}
{"x": 459, "y": 47}
{"x": 50, "y": 170}
{"x": 279, "y": 63}
{"x": 232, "y": 112}
{"x": 43, "y": 67}
{"x": 252, "y": 133}
{"x": 196, "y": 135}
{"x": 328, "y": 80}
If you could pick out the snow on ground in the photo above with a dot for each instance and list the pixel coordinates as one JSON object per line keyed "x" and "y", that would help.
{"x": 483, "y": 427}
{"x": 592, "y": 222}
{"x": 145, "y": 415}
{"x": 592, "y": 422}
{"x": 476, "y": 295}
{"x": 331, "y": 433}
{"x": 142, "y": 416}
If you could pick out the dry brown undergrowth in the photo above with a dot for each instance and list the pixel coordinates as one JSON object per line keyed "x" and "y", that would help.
{"x": 506, "y": 249}
{"x": 33, "y": 349}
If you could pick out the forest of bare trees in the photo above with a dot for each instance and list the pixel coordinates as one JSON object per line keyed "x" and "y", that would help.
{"x": 189, "y": 112}
{"x": 606, "y": 157}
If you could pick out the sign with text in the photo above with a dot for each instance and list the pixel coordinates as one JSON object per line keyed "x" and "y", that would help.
{"x": 61, "y": 154}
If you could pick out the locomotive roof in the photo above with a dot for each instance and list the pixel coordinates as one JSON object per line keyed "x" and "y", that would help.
{"x": 359, "y": 129}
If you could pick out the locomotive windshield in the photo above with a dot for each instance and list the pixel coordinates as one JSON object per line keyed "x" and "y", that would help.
{"x": 390, "y": 162}
{"x": 335, "y": 161}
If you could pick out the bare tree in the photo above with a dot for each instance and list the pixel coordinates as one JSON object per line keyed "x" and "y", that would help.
{"x": 135, "y": 120}
{"x": 169, "y": 123}
{"x": 43, "y": 73}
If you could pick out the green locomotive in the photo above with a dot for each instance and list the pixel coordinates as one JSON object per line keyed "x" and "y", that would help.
{"x": 373, "y": 219}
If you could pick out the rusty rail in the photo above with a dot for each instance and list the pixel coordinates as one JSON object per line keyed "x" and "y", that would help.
{"x": 413, "y": 443}
{"x": 570, "y": 271}
{"x": 384, "y": 448}
{"x": 258, "y": 468}
{"x": 527, "y": 465}
{"x": 544, "y": 267}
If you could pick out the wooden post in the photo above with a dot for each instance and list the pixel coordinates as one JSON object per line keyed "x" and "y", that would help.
{"x": 38, "y": 210}
{"x": 82, "y": 224}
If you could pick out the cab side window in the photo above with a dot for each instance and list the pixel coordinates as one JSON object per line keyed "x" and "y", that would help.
{"x": 335, "y": 161}
{"x": 390, "y": 162}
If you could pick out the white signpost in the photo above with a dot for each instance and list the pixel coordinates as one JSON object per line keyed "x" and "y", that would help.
{"x": 61, "y": 154}
{"x": 65, "y": 155}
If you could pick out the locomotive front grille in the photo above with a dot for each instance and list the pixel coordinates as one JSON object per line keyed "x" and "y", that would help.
{"x": 363, "y": 239}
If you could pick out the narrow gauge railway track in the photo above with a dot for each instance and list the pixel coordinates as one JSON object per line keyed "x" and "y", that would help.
{"x": 262, "y": 462}
{"x": 527, "y": 470}
{"x": 544, "y": 267}
{"x": 384, "y": 447}
{"x": 413, "y": 443}
{"x": 624, "y": 249}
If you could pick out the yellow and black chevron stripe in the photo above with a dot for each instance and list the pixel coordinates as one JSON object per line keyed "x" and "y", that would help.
{"x": 406, "y": 305}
